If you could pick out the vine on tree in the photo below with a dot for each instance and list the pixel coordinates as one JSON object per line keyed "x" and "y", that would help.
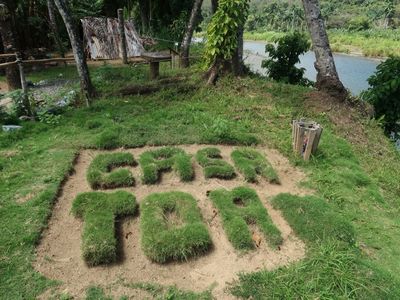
{"x": 222, "y": 33}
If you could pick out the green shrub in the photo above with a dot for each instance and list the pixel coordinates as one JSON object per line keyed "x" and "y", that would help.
{"x": 101, "y": 174}
{"x": 214, "y": 167}
{"x": 384, "y": 93}
{"x": 240, "y": 208}
{"x": 251, "y": 163}
{"x": 172, "y": 227}
{"x": 284, "y": 56}
{"x": 165, "y": 159}
{"x": 313, "y": 219}
{"x": 108, "y": 139}
{"x": 98, "y": 211}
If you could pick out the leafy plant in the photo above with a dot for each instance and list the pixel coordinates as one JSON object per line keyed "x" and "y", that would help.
{"x": 283, "y": 58}
{"x": 47, "y": 117}
{"x": 384, "y": 93}
{"x": 223, "y": 28}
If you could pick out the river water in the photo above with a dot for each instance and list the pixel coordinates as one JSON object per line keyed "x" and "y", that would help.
{"x": 353, "y": 70}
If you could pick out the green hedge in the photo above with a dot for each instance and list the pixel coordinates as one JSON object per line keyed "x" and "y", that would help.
{"x": 239, "y": 208}
{"x": 99, "y": 211}
{"x": 214, "y": 166}
{"x": 101, "y": 174}
{"x": 172, "y": 227}
{"x": 165, "y": 159}
{"x": 252, "y": 163}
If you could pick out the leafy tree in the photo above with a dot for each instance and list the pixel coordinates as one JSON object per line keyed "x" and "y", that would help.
{"x": 283, "y": 58}
{"x": 222, "y": 34}
{"x": 384, "y": 93}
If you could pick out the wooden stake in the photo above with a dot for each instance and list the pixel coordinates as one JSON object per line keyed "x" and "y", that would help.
{"x": 121, "y": 27}
{"x": 26, "y": 103}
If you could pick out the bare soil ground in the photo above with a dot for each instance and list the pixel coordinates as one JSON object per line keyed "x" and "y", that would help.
{"x": 59, "y": 254}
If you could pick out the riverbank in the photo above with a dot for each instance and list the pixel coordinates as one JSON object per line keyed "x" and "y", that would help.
{"x": 372, "y": 43}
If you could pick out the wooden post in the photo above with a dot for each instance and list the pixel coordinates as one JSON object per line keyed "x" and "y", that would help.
{"x": 26, "y": 103}
{"x": 121, "y": 27}
{"x": 154, "y": 69}
{"x": 305, "y": 138}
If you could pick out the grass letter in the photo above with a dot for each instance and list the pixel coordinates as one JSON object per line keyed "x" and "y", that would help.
{"x": 101, "y": 175}
{"x": 251, "y": 163}
{"x": 214, "y": 167}
{"x": 99, "y": 211}
{"x": 240, "y": 208}
{"x": 165, "y": 159}
{"x": 172, "y": 227}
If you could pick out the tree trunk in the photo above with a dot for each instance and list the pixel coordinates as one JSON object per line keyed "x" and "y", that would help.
{"x": 237, "y": 60}
{"x": 327, "y": 77}
{"x": 187, "y": 39}
{"x": 214, "y": 6}
{"x": 144, "y": 14}
{"x": 121, "y": 30}
{"x": 79, "y": 54}
{"x": 9, "y": 43}
{"x": 54, "y": 27}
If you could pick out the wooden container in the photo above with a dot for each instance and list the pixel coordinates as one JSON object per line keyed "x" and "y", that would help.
{"x": 305, "y": 137}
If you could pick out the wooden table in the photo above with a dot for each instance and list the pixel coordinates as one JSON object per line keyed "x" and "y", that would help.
{"x": 154, "y": 59}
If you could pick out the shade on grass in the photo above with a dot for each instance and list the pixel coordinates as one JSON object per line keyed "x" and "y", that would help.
{"x": 240, "y": 208}
{"x": 101, "y": 174}
{"x": 172, "y": 227}
{"x": 99, "y": 211}
{"x": 155, "y": 162}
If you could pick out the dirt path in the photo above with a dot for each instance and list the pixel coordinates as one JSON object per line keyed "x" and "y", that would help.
{"x": 59, "y": 254}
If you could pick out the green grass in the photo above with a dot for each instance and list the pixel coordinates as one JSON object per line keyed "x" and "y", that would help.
{"x": 355, "y": 171}
{"x": 101, "y": 175}
{"x": 313, "y": 219}
{"x": 172, "y": 227}
{"x": 99, "y": 211}
{"x": 329, "y": 273}
{"x": 213, "y": 165}
{"x": 240, "y": 208}
{"x": 252, "y": 164}
{"x": 155, "y": 162}
{"x": 160, "y": 292}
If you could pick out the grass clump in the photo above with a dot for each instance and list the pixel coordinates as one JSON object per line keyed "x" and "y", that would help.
{"x": 99, "y": 211}
{"x": 240, "y": 208}
{"x": 251, "y": 163}
{"x": 101, "y": 174}
{"x": 313, "y": 219}
{"x": 163, "y": 160}
{"x": 108, "y": 139}
{"x": 214, "y": 167}
{"x": 160, "y": 292}
{"x": 172, "y": 227}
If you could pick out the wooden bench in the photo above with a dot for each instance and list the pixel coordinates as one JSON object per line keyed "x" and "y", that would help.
{"x": 154, "y": 60}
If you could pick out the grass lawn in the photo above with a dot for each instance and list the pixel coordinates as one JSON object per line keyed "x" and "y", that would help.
{"x": 355, "y": 175}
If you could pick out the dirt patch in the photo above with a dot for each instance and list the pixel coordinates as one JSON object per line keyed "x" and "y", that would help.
{"x": 59, "y": 255}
